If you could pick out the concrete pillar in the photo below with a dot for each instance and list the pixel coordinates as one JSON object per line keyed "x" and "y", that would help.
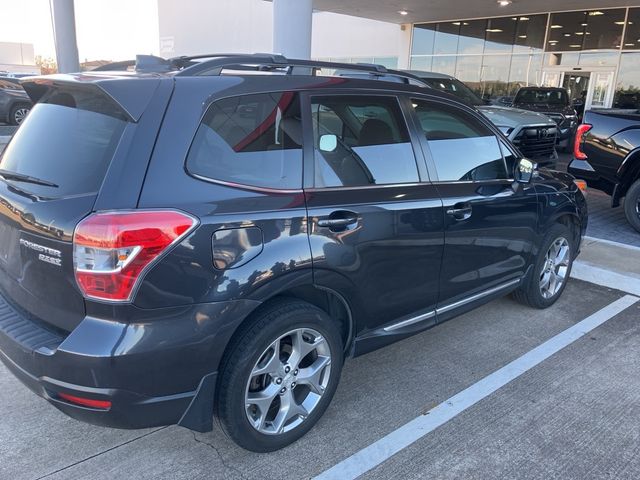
{"x": 64, "y": 34}
{"x": 292, "y": 21}
{"x": 404, "y": 50}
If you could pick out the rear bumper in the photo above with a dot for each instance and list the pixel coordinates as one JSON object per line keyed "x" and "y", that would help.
{"x": 158, "y": 373}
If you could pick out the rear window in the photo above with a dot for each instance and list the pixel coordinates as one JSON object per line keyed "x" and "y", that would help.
{"x": 545, "y": 97}
{"x": 68, "y": 139}
{"x": 253, "y": 140}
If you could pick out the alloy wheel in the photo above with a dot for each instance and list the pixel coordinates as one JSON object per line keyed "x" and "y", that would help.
{"x": 555, "y": 267}
{"x": 20, "y": 114}
{"x": 288, "y": 381}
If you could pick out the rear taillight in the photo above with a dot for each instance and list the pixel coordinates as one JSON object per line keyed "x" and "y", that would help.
{"x": 112, "y": 250}
{"x": 85, "y": 402}
{"x": 577, "y": 144}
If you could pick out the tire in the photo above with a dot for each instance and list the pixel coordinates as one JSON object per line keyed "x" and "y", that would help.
{"x": 277, "y": 419}
{"x": 533, "y": 293}
{"x": 632, "y": 205}
{"x": 18, "y": 113}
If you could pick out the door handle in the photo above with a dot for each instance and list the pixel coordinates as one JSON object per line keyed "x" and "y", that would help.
{"x": 339, "y": 220}
{"x": 460, "y": 211}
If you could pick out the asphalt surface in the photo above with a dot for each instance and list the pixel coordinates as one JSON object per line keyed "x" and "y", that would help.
{"x": 573, "y": 416}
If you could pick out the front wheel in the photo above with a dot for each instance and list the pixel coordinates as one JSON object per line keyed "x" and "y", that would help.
{"x": 551, "y": 270}
{"x": 632, "y": 205}
{"x": 279, "y": 376}
{"x": 18, "y": 114}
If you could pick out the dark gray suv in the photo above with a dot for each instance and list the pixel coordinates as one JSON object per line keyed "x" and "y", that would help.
{"x": 210, "y": 237}
{"x": 14, "y": 101}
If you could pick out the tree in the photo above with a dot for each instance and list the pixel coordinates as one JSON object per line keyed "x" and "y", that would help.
{"x": 47, "y": 65}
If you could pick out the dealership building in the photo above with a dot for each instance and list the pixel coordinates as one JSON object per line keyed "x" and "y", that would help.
{"x": 590, "y": 47}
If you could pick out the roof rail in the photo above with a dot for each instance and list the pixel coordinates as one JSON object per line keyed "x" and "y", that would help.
{"x": 214, "y": 63}
{"x": 266, "y": 61}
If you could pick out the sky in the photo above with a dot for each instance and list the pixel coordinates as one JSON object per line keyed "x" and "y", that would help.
{"x": 106, "y": 29}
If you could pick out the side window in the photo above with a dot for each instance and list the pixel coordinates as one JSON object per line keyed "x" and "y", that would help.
{"x": 253, "y": 140}
{"x": 361, "y": 140}
{"x": 462, "y": 148}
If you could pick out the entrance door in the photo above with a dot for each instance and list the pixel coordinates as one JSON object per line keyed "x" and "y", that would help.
{"x": 600, "y": 93}
{"x": 577, "y": 86}
{"x": 551, "y": 79}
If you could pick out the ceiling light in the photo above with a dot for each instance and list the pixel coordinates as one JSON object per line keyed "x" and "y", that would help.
{"x": 575, "y": 46}
{"x": 524, "y": 19}
{"x": 465, "y": 23}
{"x": 556, "y": 26}
{"x": 504, "y": 3}
{"x": 456, "y": 23}
{"x": 629, "y": 44}
{"x": 567, "y": 34}
{"x": 553, "y": 42}
{"x": 595, "y": 13}
{"x": 579, "y": 33}
{"x": 494, "y": 30}
{"x": 522, "y": 36}
{"x": 583, "y": 24}
{"x": 403, "y": 12}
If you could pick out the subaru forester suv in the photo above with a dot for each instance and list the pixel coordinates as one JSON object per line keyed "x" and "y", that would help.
{"x": 210, "y": 237}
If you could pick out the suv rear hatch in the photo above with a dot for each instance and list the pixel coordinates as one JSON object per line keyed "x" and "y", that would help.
{"x": 50, "y": 175}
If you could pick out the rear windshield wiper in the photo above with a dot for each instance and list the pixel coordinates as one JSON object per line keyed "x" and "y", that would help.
{"x": 26, "y": 178}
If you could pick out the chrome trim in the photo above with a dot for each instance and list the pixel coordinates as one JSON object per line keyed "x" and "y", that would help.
{"x": 452, "y": 306}
{"x": 477, "y": 296}
{"x": 410, "y": 321}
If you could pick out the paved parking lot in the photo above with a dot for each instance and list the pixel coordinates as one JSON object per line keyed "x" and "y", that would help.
{"x": 576, "y": 415}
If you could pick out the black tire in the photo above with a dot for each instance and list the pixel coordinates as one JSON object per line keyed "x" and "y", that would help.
{"x": 530, "y": 292}
{"x": 632, "y": 205}
{"x": 246, "y": 351}
{"x": 14, "y": 117}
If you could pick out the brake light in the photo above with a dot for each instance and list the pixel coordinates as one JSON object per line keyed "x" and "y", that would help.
{"x": 577, "y": 144}
{"x": 112, "y": 250}
{"x": 86, "y": 402}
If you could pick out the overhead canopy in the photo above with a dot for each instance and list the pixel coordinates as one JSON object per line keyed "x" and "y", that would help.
{"x": 437, "y": 10}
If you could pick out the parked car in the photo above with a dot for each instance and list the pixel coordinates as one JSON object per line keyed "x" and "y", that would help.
{"x": 533, "y": 133}
{"x": 555, "y": 104}
{"x": 607, "y": 156}
{"x": 224, "y": 239}
{"x": 14, "y": 101}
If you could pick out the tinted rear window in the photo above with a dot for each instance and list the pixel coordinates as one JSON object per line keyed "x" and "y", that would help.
{"x": 251, "y": 140}
{"x": 68, "y": 139}
{"x": 550, "y": 97}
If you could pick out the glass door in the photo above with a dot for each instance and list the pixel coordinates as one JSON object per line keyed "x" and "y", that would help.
{"x": 600, "y": 94}
{"x": 551, "y": 79}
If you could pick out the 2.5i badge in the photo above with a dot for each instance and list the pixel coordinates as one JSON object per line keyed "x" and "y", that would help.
{"x": 45, "y": 254}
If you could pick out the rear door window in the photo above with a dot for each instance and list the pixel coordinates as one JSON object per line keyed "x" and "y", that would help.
{"x": 361, "y": 140}
{"x": 462, "y": 148}
{"x": 253, "y": 140}
{"x": 68, "y": 139}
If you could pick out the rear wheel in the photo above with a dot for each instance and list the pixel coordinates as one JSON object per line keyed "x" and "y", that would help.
{"x": 632, "y": 205}
{"x": 551, "y": 270}
{"x": 18, "y": 114}
{"x": 280, "y": 376}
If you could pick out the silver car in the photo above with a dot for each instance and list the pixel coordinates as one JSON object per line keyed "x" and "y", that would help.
{"x": 533, "y": 133}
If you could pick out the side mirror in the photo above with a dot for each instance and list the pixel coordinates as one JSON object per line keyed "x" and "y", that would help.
{"x": 524, "y": 170}
{"x": 328, "y": 143}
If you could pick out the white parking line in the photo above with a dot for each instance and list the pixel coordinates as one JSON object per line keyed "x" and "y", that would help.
{"x": 376, "y": 453}
{"x": 605, "y": 278}
{"x": 611, "y": 242}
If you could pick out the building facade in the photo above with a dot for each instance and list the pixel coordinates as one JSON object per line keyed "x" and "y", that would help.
{"x": 594, "y": 54}
{"x": 17, "y": 58}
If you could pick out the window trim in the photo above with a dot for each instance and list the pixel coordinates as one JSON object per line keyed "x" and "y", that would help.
{"x": 431, "y": 165}
{"x": 309, "y": 140}
{"x": 244, "y": 186}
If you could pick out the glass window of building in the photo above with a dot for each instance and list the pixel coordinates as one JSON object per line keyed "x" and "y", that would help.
{"x": 627, "y": 93}
{"x": 421, "y": 63}
{"x": 495, "y": 76}
{"x": 468, "y": 68}
{"x": 446, "y": 39}
{"x": 525, "y": 70}
{"x": 530, "y": 33}
{"x": 595, "y": 29}
{"x": 444, "y": 64}
{"x": 632, "y": 35}
{"x": 423, "y": 37}
{"x": 500, "y": 35}
{"x": 472, "y": 33}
